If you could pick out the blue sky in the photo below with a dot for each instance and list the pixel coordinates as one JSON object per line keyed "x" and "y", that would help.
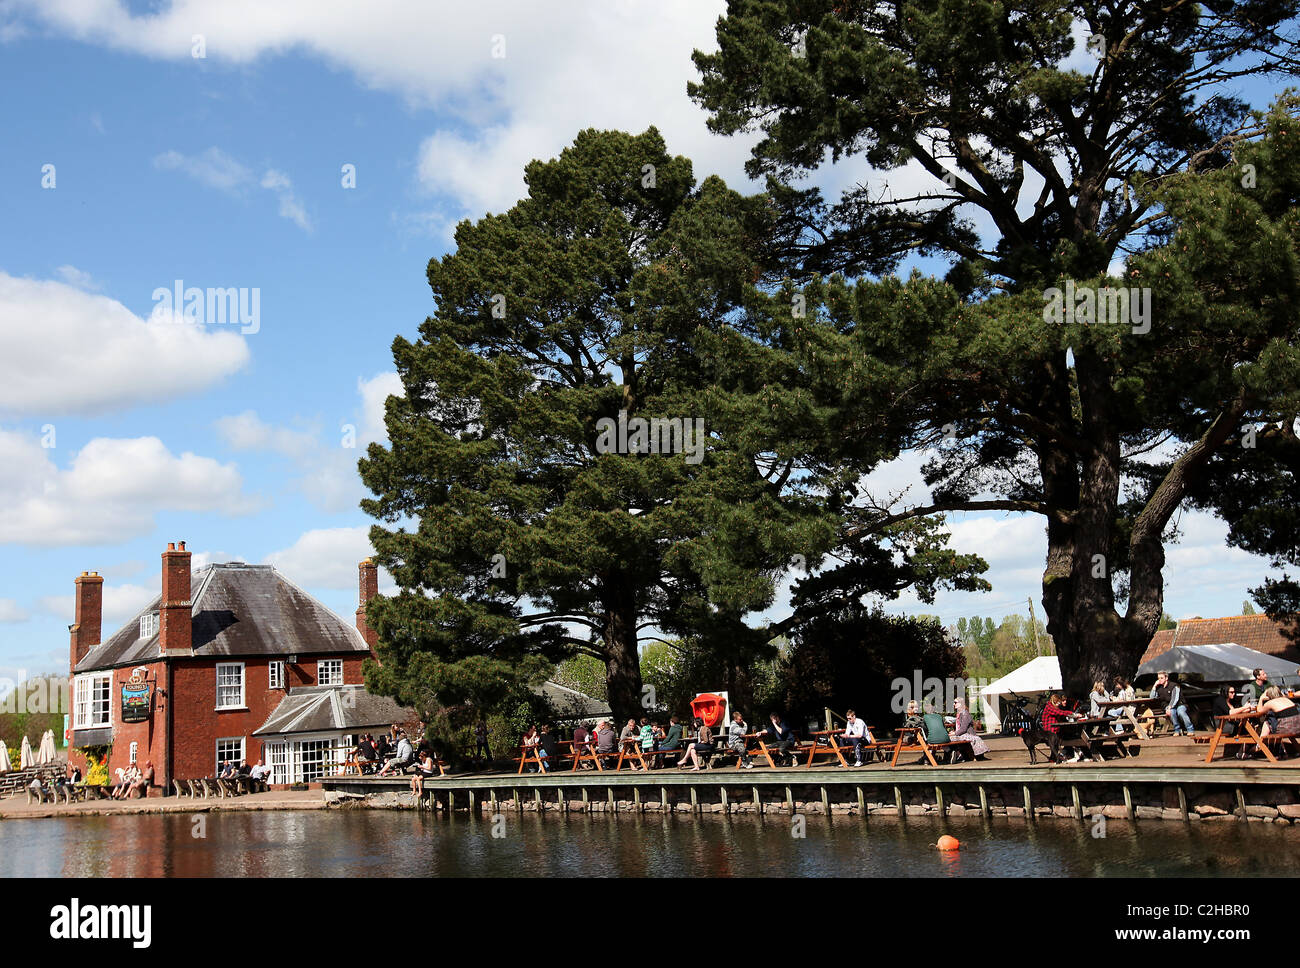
{"x": 226, "y": 171}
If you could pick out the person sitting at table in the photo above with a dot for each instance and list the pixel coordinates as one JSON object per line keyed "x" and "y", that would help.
{"x": 581, "y": 743}
{"x": 547, "y": 748}
{"x": 382, "y": 749}
{"x": 780, "y": 737}
{"x": 404, "y": 758}
{"x": 964, "y": 730}
{"x": 1171, "y": 694}
{"x": 1122, "y": 689}
{"x": 1055, "y": 713}
{"x": 649, "y": 736}
{"x": 606, "y": 744}
{"x": 700, "y": 750}
{"x": 261, "y": 772}
{"x": 912, "y": 716}
{"x": 736, "y": 731}
{"x": 141, "y": 783}
{"x": 672, "y": 739}
{"x": 1282, "y": 715}
{"x": 425, "y": 767}
{"x": 365, "y": 755}
{"x": 128, "y": 780}
{"x": 1098, "y": 696}
{"x": 628, "y": 735}
{"x": 529, "y": 743}
{"x": 1253, "y": 691}
{"x": 855, "y": 734}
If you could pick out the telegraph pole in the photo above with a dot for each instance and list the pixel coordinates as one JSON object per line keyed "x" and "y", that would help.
{"x": 1033, "y": 624}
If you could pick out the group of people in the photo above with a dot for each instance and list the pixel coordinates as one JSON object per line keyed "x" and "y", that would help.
{"x": 935, "y": 728}
{"x": 132, "y": 780}
{"x": 233, "y": 770}
{"x": 401, "y": 754}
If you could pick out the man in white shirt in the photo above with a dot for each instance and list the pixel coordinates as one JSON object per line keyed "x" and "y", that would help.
{"x": 855, "y": 732}
{"x": 260, "y": 772}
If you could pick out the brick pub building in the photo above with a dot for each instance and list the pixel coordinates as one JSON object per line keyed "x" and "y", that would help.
{"x": 234, "y": 662}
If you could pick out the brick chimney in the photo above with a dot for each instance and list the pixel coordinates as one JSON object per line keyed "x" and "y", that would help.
{"x": 88, "y": 622}
{"x": 368, "y": 580}
{"x": 175, "y": 632}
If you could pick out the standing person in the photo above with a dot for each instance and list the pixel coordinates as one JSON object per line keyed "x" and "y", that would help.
{"x": 780, "y": 737}
{"x": 855, "y": 734}
{"x": 736, "y": 740}
{"x": 481, "y": 748}
{"x": 964, "y": 729}
{"x": 700, "y": 750}
{"x": 1171, "y": 694}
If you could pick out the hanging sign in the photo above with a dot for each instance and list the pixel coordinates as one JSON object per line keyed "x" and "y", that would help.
{"x": 135, "y": 697}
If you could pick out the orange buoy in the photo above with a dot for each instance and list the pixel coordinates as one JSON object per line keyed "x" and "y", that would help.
{"x": 948, "y": 843}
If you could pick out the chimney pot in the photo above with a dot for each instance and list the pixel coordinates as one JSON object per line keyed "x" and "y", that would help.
{"x": 182, "y": 548}
{"x": 171, "y": 546}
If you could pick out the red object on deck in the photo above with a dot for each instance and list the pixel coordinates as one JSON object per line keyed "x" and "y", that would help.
{"x": 710, "y": 708}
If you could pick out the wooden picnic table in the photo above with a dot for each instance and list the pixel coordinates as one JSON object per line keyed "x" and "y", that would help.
{"x": 1246, "y": 718}
{"x": 1138, "y": 702}
{"x": 825, "y": 743}
{"x": 1094, "y": 735}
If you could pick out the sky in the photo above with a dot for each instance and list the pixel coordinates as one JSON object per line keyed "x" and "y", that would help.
{"x": 308, "y": 157}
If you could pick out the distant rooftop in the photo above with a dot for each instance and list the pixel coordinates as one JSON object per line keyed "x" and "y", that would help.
{"x": 238, "y": 610}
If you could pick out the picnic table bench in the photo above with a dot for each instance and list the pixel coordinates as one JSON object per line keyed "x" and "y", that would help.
{"x": 1131, "y": 719}
{"x": 825, "y": 744}
{"x": 1252, "y": 738}
{"x": 1093, "y": 734}
{"x": 925, "y": 747}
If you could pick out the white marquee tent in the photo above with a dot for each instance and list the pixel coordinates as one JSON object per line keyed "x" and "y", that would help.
{"x": 1035, "y": 676}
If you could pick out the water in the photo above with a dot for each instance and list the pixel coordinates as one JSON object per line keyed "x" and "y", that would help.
{"x": 371, "y": 843}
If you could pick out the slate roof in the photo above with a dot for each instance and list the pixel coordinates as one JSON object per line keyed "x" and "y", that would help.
{"x": 323, "y": 709}
{"x": 1279, "y": 637}
{"x": 238, "y": 610}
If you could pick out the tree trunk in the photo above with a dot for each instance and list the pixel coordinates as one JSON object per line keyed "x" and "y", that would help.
{"x": 622, "y": 661}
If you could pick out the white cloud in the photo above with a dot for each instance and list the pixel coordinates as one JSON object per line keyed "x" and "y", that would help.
{"x": 11, "y": 612}
{"x": 77, "y": 279}
{"x": 65, "y": 351}
{"x": 216, "y": 169}
{"x": 247, "y": 431}
{"x": 110, "y": 492}
{"x": 324, "y": 558}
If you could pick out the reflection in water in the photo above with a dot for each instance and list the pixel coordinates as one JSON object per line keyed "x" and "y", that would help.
{"x": 402, "y": 843}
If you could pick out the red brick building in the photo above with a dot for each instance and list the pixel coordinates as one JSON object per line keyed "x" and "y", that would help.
{"x": 234, "y": 662}
{"x": 1275, "y": 636}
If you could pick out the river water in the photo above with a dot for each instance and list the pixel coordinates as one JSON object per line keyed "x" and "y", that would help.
{"x": 373, "y": 843}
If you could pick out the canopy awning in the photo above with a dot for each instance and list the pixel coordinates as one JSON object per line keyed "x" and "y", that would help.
{"x": 1225, "y": 662}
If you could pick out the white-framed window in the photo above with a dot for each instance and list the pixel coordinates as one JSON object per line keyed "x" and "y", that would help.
{"x": 277, "y": 674}
{"x": 93, "y": 701}
{"x": 148, "y": 625}
{"x": 312, "y": 759}
{"x": 277, "y": 757}
{"x": 228, "y": 750}
{"x": 230, "y": 685}
{"x": 135, "y": 749}
{"x": 329, "y": 672}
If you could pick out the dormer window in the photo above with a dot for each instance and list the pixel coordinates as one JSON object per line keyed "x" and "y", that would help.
{"x": 148, "y": 625}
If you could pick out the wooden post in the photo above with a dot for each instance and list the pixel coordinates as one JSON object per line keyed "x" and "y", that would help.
{"x": 613, "y": 804}
{"x": 537, "y": 798}
{"x": 695, "y": 800}
{"x": 862, "y": 803}
{"x": 722, "y": 797}
{"x": 1078, "y": 806}
{"x": 561, "y": 800}
{"x": 984, "y": 801}
{"x": 898, "y": 801}
{"x": 1029, "y": 803}
{"x": 471, "y": 801}
{"x": 1128, "y": 803}
{"x": 1182, "y": 802}
{"x": 451, "y": 802}
{"x": 586, "y": 801}
{"x": 663, "y": 799}
{"x": 758, "y": 801}
{"x": 1241, "y": 805}
{"x": 826, "y": 803}
{"x": 789, "y": 801}
{"x": 938, "y": 799}
{"x": 519, "y": 803}
{"x": 636, "y": 798}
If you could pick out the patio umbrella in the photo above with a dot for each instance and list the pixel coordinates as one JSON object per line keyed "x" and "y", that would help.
{"x": 46, "y": 754}
{"x": 5, "y": 765}
{"x": 26, "y": 759}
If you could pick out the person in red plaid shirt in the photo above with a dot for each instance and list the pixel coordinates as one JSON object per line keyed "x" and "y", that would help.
{"x": 1054, "y": 713}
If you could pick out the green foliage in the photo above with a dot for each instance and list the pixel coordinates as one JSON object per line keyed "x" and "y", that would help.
{"x": 681, "y": 670}
{"x": 583, "y": 673}
{"x": 96, "y": 764}
{"x": 997, "y": 651}
{"x": 44, "y": 700}
{"x": 849, "y": 658}
{"x": 598, "y": 294}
